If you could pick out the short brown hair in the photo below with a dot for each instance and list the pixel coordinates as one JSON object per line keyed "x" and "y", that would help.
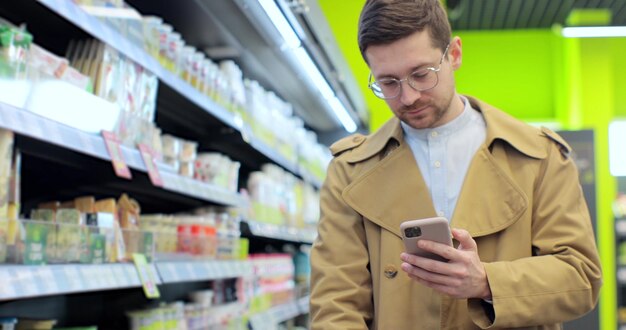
{"x": 385, "y": 21}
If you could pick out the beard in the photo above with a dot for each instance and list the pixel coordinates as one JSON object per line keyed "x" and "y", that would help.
{"x": 429, "y": 114}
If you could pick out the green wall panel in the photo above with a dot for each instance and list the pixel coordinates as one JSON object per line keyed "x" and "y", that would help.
{"x": 512, "y": 70}
{"x": 618, "y": 50}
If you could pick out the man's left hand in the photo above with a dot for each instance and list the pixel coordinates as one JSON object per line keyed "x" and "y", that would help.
{"x": 463, "y": 276}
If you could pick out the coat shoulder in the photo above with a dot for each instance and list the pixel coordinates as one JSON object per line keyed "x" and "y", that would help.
{"x": 558, "y": 140}
{"x": 347, "y": 143}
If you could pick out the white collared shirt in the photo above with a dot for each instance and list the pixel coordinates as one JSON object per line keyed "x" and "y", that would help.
{"x": 444, "y": 153}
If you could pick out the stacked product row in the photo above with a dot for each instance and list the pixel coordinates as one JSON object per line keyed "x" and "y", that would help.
{"x": 270, "y": 118}
{"x": 218, "y": 308}
{"x": 87, "y": 230}
{"x": 278, "y": 197}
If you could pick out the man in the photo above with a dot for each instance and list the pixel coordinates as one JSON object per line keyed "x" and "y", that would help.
{"x": 524, "y": 252}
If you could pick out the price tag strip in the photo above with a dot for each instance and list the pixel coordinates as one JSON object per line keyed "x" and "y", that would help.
{"x": 47, "y": 281}
{"x": 7, "y": 285}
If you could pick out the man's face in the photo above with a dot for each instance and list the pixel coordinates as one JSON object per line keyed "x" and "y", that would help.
{"x": 425, "y": 109}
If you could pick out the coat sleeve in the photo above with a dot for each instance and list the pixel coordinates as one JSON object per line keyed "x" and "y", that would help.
{"x": 341, "y": 285}
{"x": 562, "y": 279}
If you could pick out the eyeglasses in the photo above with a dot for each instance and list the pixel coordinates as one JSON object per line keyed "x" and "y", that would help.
{"x": 420, "y": 80}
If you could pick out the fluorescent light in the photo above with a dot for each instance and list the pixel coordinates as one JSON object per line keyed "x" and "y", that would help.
{"x": 327, "y": 92}
{"x": 313, "y": 72}
{"x": 280, "y": 22}
{"x": 342, "y": 114}
{"x": 594, "y": 31}
{"x": 617, "y": 148}
{"x": 310, "y": 68}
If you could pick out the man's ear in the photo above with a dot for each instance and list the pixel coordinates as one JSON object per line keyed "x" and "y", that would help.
{"x": 455, "y": 53}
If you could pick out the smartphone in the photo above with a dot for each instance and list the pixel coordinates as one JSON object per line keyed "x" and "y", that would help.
{"x": 433, "y": 229}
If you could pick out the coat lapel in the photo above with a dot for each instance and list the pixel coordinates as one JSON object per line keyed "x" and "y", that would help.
{"x": 391, "y": 192}
{"x": 491, "y": 193}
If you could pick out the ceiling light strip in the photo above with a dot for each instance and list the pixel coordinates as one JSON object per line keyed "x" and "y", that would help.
{"x": 308, "y": 65}
{"x": 594, "y": 31}
{"x": 280, "y": 22}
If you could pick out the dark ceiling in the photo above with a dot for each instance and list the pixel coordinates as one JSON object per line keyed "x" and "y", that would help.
{"x": 523, "y": 14}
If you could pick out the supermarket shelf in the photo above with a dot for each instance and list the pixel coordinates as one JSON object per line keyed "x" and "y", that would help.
{"x": 74, "y": 14}
{"x": 271, "y": 318}
{"x": 20, "y": 281}
{"x": 308, "y": 177}
{"x": 274, "y": 155}
{"x": 285, "y": 312}
{"x": 280, "y": 232}
{"x": 194, "y": 188}
{"x": 32, "y": 125}
{"x": 189, "y": 271}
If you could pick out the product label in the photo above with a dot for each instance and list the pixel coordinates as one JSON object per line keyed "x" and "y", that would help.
{"x": 35, "y": 250}
{"x": 147, "y": 154}
{"x": 112, "y": 143}
{"x": 146, "y": 276}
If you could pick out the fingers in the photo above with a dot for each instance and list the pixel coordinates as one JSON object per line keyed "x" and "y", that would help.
{"x": 428, "y": 276}
{"x": 443, "y": 250}
{"x": 466, "y": 242}
{"x": 433, "y": 266}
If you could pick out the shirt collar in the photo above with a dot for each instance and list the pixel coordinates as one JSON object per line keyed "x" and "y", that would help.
{"x": 455, "y": 125}
{"x": 500, "y": 126}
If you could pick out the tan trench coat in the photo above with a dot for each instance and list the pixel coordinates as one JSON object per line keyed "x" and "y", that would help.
{"x": 521, "y": 201}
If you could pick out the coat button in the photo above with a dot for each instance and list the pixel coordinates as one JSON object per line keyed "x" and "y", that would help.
{"x": 391, "y": 271}
{"x": 357, "y": 139}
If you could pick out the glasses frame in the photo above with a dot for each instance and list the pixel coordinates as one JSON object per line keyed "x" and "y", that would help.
{"x": 370, "y": 83}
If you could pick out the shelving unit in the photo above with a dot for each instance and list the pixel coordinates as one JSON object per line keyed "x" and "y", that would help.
{"x": 21, "y": 282}
{"x": 32, "y": 125}
{"x": 191, "y": 271}
{"x": 63, "y": 149}
{"x": 288, "y": 234}
{"x": 74, "y": 14}
{"x": 278, "y": 314}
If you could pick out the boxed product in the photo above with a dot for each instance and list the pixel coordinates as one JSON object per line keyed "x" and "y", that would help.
{"x": 102, "y": 237}
{"x": 35, "y": 242}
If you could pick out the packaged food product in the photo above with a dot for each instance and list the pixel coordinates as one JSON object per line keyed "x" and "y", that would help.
{"x": 6, "y": 155}
{"x": 171, "y": 146}
{"x": 71, "y": 239}
{"x": 164, "y": 30}
{"x": 188, "y": 151}
{"x": 43, "y": 62}
{"x": 35, "y": 242}
{"x": 185, "y": 61}
{"x": 27, "y": 324}
{"x": 103, "y": 225}
{"x": 85, "y": 204}
{"x": 14, "y": 44}
{"x": 186, "y": 169}
{"x": 171, "y": 41}
{"x": 151, "y": 34}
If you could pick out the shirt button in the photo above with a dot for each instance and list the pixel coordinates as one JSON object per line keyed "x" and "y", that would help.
{"x": 434, "y": 134}
{"x": 440, "y": 213}
{"x": 391, "y": 271}
{"x": 437, "y": 164}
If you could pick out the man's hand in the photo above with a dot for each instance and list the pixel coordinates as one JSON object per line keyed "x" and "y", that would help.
{"x": 463, "y": 276}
